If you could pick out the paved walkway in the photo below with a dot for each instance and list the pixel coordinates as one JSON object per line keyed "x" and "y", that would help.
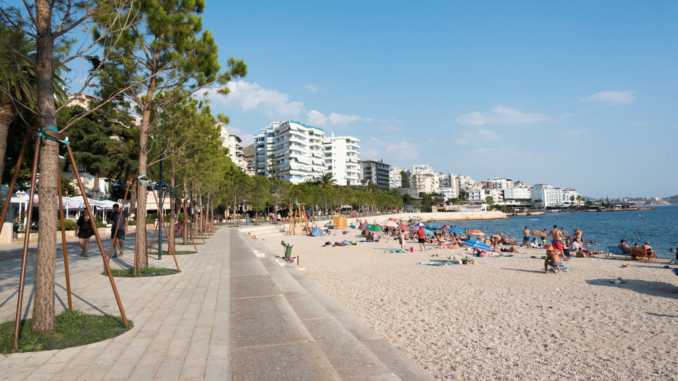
{"x": 229, "y": 314}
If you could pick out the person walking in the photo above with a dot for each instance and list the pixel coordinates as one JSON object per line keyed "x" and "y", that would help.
{"x": 84, "y": 231}
{"x": 15, "y": 228}
{"x": 119, "y": 235}
{"x": 401, "y": 239}
{"x": 421, "y": 236}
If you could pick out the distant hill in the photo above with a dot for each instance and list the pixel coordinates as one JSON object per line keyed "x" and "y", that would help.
{"x": 672, "y": 200}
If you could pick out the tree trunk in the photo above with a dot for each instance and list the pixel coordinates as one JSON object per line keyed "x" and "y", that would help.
{"x": 140, "y": 254}
{"x": 45, "y": 258}
{"x": 173, "y": 208}
{"x": 95, "y": 188}
{"x": 132, "y": 199}
{"x": 6, "y": 117}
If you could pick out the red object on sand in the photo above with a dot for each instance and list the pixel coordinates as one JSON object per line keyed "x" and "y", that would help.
{"x": 478, "y": 232}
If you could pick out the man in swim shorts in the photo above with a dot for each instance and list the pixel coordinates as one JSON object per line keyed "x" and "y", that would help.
{"x": 556, "y": 237}
{"x": 526, "y": 237}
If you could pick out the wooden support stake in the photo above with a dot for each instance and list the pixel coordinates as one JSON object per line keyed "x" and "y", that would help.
{"x": 63, "y": 242}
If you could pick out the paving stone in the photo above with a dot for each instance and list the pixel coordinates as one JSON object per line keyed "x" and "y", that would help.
{"x": 282, "y": 362}
{"x": 349, "y": 357}
{"x": 142, "y": 373}
{"x": 121, "y": 369}
{"x": 191, "y": 372}
{"x": 256, "y": 285}
{"x": 169, "y": 368}
{"x": 265, "y": 321}
{"x": 253, "y": 267}
{"x": 306, "y": 307}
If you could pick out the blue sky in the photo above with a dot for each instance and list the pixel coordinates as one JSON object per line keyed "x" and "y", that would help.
{"x": 575, "y": 94}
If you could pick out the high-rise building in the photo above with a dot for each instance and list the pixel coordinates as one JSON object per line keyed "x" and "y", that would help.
{"x": 425, "y": 182}
{"x": 303, "y": 153}
{"x": 376, "y": 171}
{"x": 548, "y": 195}
{"x": 449, "y": 185}
{"x": 395, "y": 179}
{"x": 342, "y": 159}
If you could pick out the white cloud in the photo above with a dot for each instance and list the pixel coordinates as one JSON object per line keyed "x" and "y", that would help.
{"x": 500, "y": 114}
{"x": 390, "y": 128}
{"x": 312, "y": 88}
{"x": 318, "y": 118}
{"x": 611, "y": 97}
{"x": 404, "y": 150}
{"x": 477, "y": 136}
{"x": 251, "y": 96}
{"x": 247, "y": 139}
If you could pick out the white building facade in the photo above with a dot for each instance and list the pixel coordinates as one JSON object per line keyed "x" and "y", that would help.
{"x": 235, "y": 149}
{"x": 548, "y": 195}
{"x": 395, "y": 179}
{"x": 342, "y": 159}
{"x": 518, "y": 193}
{"x": 303, "y": 153}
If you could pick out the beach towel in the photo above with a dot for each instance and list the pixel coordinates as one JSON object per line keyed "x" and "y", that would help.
{"x": 439, "y": 264}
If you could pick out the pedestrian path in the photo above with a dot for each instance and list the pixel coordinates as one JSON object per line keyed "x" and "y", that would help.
{"x": 229, "y": 315}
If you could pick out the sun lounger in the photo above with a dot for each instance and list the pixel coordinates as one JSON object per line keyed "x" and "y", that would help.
{"x": 616, "y": 250}
{"x": 640, "y": 253}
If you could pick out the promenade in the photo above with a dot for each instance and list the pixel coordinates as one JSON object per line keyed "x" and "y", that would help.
{"x": 231, "y": 314}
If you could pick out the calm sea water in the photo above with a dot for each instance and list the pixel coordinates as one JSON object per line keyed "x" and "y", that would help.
{"x": 659, "y": 227}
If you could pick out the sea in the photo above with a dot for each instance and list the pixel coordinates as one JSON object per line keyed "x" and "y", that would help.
{"x": 658, "y": 226}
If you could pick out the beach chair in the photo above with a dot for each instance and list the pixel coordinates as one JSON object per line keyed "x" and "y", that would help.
{"x": 616, "y": 251}
{"x": 640, "y": 253}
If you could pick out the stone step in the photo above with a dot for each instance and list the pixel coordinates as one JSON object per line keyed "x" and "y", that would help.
{"x": 350, "y": 358}
{"x": 330, "y": 322}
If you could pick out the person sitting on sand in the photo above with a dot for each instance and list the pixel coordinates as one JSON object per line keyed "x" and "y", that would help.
{"x": 533, "y": 243}
{"x": 553, "y": 259}
{"x": 252, "y": 236}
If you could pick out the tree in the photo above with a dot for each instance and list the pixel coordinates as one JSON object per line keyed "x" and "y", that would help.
{"x": 279, "y": 190}
{"x": 405, "y": 181}
{"x": 489, "y": 200}
{"x": 47, "y": 24}
{"x": 90, "y": 141}
{"x": 164, "y": 50}
{"x": 272, "y": 167}
{"x": 239, "y": 184}
{"x": 326, "y": 181}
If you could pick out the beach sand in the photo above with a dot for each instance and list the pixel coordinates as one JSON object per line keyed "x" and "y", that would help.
{"x": 503, "y": 318}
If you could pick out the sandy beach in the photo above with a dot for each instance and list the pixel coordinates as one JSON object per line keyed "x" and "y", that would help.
{"x": 503, "y": 318}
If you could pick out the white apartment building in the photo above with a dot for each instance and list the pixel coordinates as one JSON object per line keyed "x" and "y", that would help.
{"x": 570, "y": 197}
{"x": 342, "y": 159}
{"x": 425, "y": 181}
{"x": 448, "y": 180}
{"x": 418, "y": 168}
{"x": 548, "y": 195}
{"x": 476, "y": 195}
{"x": 448, "y": 192}
{"x": 303, "y": 153}
{"x": 234, "y": 144}
{"x": 518, "y": 193}
{"x": 395, "y": 179}
{"x": 496, "y": 194}
{"x": 465, "y": 182}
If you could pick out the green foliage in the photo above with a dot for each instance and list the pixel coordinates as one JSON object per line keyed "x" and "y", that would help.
{"x": 405, "y": 179}
{"x": 73, "y": 328}
{"x": 489, "y": 200}
{"x": 69, "y": 224}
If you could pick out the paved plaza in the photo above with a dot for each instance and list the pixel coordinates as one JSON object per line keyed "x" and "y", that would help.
{"x": 231, "y": 314}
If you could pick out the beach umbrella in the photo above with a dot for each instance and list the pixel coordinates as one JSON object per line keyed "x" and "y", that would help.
{"x": 330, "y": 224}
{"x": 374, "y": 228}
{"x": 456, "y": 230}
{"x": 433, "y": 227}
{"x": 477, "y": 244}
{"x": 538, "y": 233}
{"x": 428, "y": 232}
{"x": 390, "y": 224}
{"x": 392, "y": 219}
{"x": 418, "y": 225}
{"x": 317, "y": 232}
{"x": 476, "y": 232}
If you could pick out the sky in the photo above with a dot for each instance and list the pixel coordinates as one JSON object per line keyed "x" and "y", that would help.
{"x": 575, "y": 94}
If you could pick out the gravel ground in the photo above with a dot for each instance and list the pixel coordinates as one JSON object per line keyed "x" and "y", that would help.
{"x": 503, "y": 318}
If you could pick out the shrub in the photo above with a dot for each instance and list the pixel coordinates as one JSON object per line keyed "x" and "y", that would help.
{"x": 70, "y": 225}
{"x": 101, "y": 225}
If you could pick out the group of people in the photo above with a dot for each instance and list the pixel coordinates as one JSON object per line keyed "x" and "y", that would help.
{"x": 626, "y": 249}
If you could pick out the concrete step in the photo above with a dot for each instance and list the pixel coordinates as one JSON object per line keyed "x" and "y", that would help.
{"x": 348, "y": 343}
